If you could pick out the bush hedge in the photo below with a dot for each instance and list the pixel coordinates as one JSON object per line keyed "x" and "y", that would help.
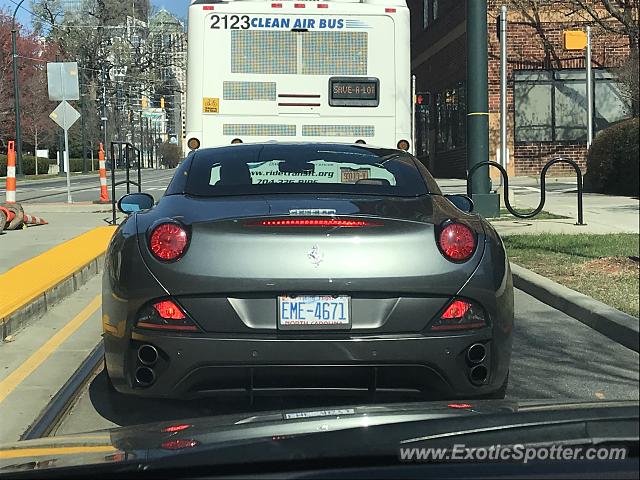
{"x": 613, "y": 161}
{"x": 29, "y": 165}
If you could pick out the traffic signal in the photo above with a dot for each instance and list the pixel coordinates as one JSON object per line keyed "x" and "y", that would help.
{"x": 145, "y": 102}
{"x": 422, "y": 99}
{"x": 162, "y": 102}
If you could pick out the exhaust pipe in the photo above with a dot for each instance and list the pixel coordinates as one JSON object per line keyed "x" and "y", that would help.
{"x": 476, "y": 353}
{"x": 148, "y": 355}
{"x": 145, "y": 376}
{"x": 479, "y": 374}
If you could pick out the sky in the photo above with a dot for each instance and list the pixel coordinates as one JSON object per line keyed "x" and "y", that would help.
{"x": 178, "y": 7}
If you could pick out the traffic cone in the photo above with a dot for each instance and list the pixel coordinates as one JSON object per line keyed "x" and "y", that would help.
{"x": 31, "y": 220}
{"x": 104, "y": 192}
{"x": 14, "y": 213}
{"x": 11, "y": 172}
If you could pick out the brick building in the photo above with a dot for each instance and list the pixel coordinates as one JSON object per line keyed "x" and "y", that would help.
{"x": 546, "y": 85}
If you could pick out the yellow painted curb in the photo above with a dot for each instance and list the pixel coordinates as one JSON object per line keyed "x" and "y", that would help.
{"x": 32, "y": 278}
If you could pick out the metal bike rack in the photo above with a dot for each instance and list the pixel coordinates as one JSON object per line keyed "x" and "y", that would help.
{"x": 543, "y": 193}
{"x": 125, "y": 151}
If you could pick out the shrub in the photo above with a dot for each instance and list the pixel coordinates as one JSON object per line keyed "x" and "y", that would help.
{"x": 28, "y": 165}
{"x": 613, "y": 160}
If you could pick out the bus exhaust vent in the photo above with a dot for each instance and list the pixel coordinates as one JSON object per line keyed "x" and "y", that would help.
{"x": 338, "y": 130}
{"x": 249, "y": 91}
{"x": 259, "y": 130}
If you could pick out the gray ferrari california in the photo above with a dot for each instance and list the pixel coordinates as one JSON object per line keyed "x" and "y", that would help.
{"x": 306, "y": 267}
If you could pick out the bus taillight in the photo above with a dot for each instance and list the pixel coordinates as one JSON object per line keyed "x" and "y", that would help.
{"x": 403, "y": 145}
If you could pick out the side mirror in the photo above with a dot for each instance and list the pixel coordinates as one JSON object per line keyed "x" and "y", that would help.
{"x": 461, "y": 202}
{"x": 134, "y": 202}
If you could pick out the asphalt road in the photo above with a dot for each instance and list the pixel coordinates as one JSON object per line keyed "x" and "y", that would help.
{"x": 86, "y": 188}
{"x": 554, "y": 357}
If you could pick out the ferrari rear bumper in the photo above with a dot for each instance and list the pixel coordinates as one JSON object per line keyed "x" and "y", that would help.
{"x": 188, "y": 366}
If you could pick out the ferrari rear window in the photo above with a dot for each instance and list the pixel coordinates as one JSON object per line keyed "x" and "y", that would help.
{"x": 266, "y": 169}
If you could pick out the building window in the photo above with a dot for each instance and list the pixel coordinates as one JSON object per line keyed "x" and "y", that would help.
{"x": 450, "y": 118}
{"x": 551, "y": 106}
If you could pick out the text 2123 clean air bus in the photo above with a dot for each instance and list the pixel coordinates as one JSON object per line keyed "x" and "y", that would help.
{"x": 318, "y": 71}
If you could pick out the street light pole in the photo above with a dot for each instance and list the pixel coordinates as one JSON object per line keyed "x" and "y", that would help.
{"x": 16, "y": 91}
{"x": 486, "y": 203}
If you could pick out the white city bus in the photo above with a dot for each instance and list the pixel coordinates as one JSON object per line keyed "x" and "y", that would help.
{"x": 327, "y": 70}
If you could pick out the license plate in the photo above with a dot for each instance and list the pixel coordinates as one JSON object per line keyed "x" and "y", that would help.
{"x": 311, "y": 312}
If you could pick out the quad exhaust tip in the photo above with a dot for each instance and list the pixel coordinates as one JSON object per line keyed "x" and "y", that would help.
{"x": 479, "y": 375}
{"x": 145, "y": 376}
{"x": 148, "y": 355}
{"x": 476, "y": 353}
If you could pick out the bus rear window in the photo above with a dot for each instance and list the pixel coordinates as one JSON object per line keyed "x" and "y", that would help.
{"x": 265, "y": 169}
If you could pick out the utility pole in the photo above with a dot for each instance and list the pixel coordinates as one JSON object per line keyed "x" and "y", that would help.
{"x": 141, "y": 140}
{"x": 486, "y": 204}
{"x": 84, "y": 128}
{"x": 589, "y": 91}
{"x": 104, "y": 117}
{"x": 503, "y": 87}
{"x": 16, "y": 91}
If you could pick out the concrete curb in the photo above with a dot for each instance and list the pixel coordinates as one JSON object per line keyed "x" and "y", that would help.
{"x": 37, "y": 307}
{"x": 614, "y": 324}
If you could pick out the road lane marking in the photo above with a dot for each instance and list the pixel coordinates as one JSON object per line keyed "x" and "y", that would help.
{"x": 16, "y": 377}
{"x": 41, "y": 452}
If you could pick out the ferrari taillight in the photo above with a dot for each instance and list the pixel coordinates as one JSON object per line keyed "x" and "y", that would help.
{"x": 315, "y": 222}
{"x": 169, "y": 310}
{"x": 165, "y": 315}
{"x": 457, "y": 242}
{"x": 459, "y": 315}
{"x": 168, "y": 241}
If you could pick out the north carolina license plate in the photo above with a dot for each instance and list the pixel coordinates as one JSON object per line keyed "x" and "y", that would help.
{"x": 310, "y": 312}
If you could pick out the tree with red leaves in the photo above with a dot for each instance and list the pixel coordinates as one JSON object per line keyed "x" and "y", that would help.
{"x": 33, "y": 55}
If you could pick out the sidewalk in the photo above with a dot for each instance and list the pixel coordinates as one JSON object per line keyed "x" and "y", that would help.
{"x": 602, "y": 213}
{"x": 65, "y": 222}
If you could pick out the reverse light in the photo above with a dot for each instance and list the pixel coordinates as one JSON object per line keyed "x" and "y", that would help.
{"x": 315, "y": 222}
{"x": 460, "y": 315}
{"x": 168, "y": 241}
{"x": 457, "y": 242}
{"x": 165, "y": 315}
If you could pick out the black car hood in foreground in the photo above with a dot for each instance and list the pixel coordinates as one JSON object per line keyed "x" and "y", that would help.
{"x": 357, "y": 433}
